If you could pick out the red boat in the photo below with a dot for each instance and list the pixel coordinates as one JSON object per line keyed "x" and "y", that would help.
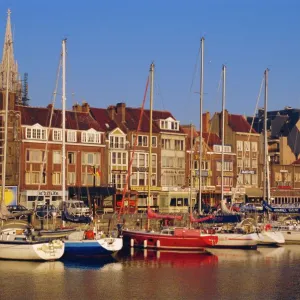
{"x": 171, "y": 238}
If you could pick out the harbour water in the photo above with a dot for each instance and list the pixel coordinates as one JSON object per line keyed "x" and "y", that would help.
{"x": 266, "y": 273}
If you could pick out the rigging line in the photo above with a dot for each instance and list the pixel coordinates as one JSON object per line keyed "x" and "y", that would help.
{"x": 210, "y": 126}
{"x": 134, "y": 148}
{"x": 250, "y": 131}
{"x": 50, "y": 124}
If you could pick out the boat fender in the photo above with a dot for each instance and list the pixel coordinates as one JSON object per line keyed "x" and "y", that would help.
{"x": 131, "y": 242}
{"x": 158, "y": 243}
{"x": 89, "y": 235}
{"x": 268, "y": 227}
{"x": 145, "y": 243}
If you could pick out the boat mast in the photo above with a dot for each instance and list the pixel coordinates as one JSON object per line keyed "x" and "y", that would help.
{"x": 150, "y": 135}
{"x": 223, "y": 134}
{"x": 201, "y": 129}
{"x": 5, "y": 127}
{"x": 191, "y": 168}
{"x": 63, "y": 119}
{"x": 266, "y": 154}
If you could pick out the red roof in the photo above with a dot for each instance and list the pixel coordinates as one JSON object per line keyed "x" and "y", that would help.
{"x": 239, "y": 124}
{"x": 74, "y": 120}
{"x": 101, "y": 116}
{"x": 296, "y": 162}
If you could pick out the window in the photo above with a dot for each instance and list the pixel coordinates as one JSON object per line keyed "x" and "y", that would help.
{"x": 57, "y": 135}
{"x": 57, "y": 157}
{"x": 247, "y": 179}
{"x": 72, "y": 136}
{"x": 227, "y": 181}
{"x": 90, "y": 137}
{"x": 154, "y": 141}
{"x": 133, "y": 178}
{"x": 166, "y": 144}
{"x": 56, "y": 178}
{"x": 297, "y": 177}
{"x": 240, "y": 179}
{"x": 71, "y": 158}
{"x": 35, "y": 178}
{"x": 254, "y": 179}
{"x": 247, "y": 162}
{"x": 179, "y": 145}
{"x": 254, "y": 146}
{"x": 71, "y": 177}
{"x": 35, "y": 156}
{"x": 118, "y": 180}
{"x": 180, "y": 162}
{"x": 239, "y": 145}
{"x": 116, "y": 142}
{"x": 169, "y": 125}
{"x": 227, "y": 166}
{"x": 90, "y": 158}
{"x": 247, "y": 146}
{"x": 240, "y": 163}
{"x": 254, "y": 163}
{"x": 36, "y": 133}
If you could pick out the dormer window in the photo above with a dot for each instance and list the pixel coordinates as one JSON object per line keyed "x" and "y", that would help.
{"x": 90, "y": 137}
{"x": 169, "y": 124}
{"x": 36, "y": 132}
{"x": 57, "y": 135}
{"x": 72, "y": 136}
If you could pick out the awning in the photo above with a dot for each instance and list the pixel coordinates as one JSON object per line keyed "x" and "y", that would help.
{"x": 254, "y": 192}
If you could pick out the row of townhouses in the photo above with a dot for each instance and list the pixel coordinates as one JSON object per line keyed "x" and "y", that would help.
{"x": 101, "y": 153}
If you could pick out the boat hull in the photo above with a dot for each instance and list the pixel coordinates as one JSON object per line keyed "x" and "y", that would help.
{"x": 23, "y": 250}
{"x": 270, "y": 238}
{"x": 156, "y": 240}
{"x": 291, "y": 237}
{"x": 235, "y": 240}
{"x": 99, "y": 247}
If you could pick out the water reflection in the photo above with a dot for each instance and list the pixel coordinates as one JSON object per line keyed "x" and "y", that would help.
{"x": 83, "y": 263}
{"x": 170, "y": 258}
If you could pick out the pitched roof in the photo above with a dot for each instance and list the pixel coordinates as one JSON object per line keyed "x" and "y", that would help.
{"x": 74, "y": 120}
{"x": 296, "y": 162}
{"x": 101, "y": 116}
{"x": 239, "y": 124}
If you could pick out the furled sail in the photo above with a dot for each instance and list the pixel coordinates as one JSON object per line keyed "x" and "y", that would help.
{"x": 224, "y": 208}
{"x": 203, "y": 219}
{"x": 153, "y": 215}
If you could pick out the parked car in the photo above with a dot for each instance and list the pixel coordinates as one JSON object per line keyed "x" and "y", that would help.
{"x": 16, "y": 209}
{"x": 75, "y": 207}
{"x": 43, "y": 211}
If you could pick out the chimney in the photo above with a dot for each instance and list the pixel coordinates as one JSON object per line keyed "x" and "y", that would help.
{"x": 85, "y": 107}
{"x": 121, "y": 109}
{"x": 77, "y": 107}
{"x": 205, "y": 122}
{"x": 111, "y": 112}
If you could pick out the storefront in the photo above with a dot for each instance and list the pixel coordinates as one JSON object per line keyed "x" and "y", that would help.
{"x": 31, "y": 198}
{"x": 143, "y": 196}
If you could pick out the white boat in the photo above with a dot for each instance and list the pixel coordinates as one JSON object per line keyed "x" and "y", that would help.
{"x": 270, "y": 238}
{"x": 81, "y": 244}
{"x": 237, "y": 240}
{"x": 291, "y": 233}
{"x": 18, "y": 243}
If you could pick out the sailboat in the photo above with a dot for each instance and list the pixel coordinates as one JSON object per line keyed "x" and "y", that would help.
{"x": 267, "y": 235}
{"x": 232, "y": 239}
{"x": 80, "y": 243}
{"x": 17, "y": 240}
{"x": 169, "y": 238}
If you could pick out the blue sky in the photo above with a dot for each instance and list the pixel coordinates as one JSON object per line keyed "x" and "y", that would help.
{"x": 112, "y": 43}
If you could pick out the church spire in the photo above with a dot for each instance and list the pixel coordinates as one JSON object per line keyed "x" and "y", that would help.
{"x": 8, "y": 51}
{"x": 8, "y": 55}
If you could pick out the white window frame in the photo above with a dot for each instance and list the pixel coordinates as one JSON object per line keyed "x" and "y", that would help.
{"x": 39, "y": 132}
{"x": 57, "y": 135}
{"x": 56, "y": 157}
{"x": 72, "y": 136}
{"x": 90, "y": 137}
